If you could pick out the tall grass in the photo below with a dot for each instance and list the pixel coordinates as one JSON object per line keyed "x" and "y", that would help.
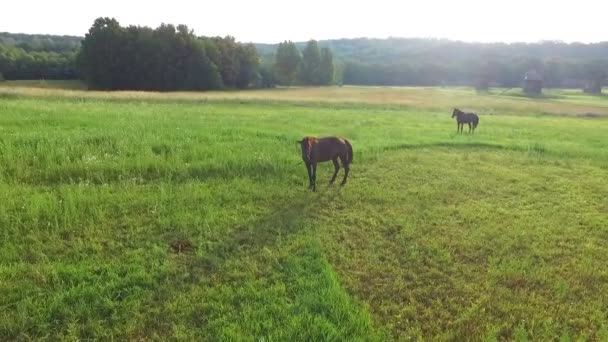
{"x": 495, "y": 102}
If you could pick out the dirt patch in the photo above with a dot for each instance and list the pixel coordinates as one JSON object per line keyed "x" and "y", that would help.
{"x": 181, "y": 246}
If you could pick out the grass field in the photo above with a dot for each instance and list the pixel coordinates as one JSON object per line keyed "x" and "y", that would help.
{"x": 186, "y": 216}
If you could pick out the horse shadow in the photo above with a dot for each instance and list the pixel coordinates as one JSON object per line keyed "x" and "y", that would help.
{"x": 282, "y": 223}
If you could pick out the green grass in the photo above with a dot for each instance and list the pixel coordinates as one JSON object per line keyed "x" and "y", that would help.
{"x": 134, "y": 216}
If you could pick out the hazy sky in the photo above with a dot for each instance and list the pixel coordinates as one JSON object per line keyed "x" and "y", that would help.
{"x": 270, "y": 21}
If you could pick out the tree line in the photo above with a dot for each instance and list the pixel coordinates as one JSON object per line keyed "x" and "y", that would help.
{"x": 173, "y": 58}
{"x": 432, "y": 62}
{"x": 40, "y": 42}
{"x": 479, "y": 72}
{"x": 18, "y": 63}
{"x": 113, "y": 57}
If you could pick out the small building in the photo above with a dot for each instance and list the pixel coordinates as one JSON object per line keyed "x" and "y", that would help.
{"x": 593, "y": 87}
{"x": 533, "y": 83}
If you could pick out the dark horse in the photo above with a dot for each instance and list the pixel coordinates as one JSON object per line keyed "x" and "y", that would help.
{"x": 316, "y": 150}
{"x": 462, "y": 118}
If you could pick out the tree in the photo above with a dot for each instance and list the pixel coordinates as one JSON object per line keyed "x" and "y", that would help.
{"x": 311, "y": 64}
{"x": 326, "y": 69}
{"x": 597, "y": 74}
{"x": 101, "y": 53}
{"x": 268, "y": 78}
{"x": 166, "y": 58}
{"x": 198, "y": 70}
{"x": 481, "y": 71}
{"x": 287, "y": 62}
{"x": 228, "y": 65}
{"x": 554, "y": 70}
{"x": 249, "y": 63}
{"x": 212, "y": 51}
{"x": 238, "y": 63}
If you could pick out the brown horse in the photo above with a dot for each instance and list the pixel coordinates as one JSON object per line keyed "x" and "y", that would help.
{"x": 462, "y": 118}
{"x": 316, "y": 150}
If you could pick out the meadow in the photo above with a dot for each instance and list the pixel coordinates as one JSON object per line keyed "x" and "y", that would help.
{"x": 186, "y": 216}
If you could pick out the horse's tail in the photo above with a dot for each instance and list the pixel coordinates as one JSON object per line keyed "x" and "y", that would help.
{"x": 475, "y": 121}
{"x": 349, "y": 152}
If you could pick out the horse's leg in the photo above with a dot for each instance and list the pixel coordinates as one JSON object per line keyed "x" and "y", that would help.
{"x": 346, "y": 170}
{"x": 469, "y": 128}
{"x": 337, "y": 168}
{"x": 309, "y": 170}
{"x": 314, "y": 176}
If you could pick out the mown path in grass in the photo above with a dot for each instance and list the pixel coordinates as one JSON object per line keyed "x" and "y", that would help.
{"x": 192, "y": 221}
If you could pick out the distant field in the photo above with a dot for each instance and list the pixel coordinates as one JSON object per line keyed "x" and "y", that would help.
{"x": 186, "y": 216}
{"x": 497, "y": 101}
{"x": 45, "y": 84}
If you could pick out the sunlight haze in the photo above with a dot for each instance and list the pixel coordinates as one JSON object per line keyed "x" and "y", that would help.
{"x": 271, "y": 21}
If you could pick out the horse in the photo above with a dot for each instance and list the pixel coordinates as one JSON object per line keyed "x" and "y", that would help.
{"x": 317, "y": 150}
{"x": 462, "y": 118}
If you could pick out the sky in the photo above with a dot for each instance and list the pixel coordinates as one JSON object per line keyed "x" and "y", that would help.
{"x": 272, "y": 21}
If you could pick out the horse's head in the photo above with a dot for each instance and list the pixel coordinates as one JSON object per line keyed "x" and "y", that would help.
{"x": 455, "y": 112}
{"x": 306, "y": 145}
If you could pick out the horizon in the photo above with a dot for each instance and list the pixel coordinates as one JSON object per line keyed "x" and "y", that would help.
{"x": 344, "y": 38}
{"x": 268, "y": 21}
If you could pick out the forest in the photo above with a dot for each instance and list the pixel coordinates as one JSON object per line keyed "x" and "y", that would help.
{"x": 170, "y": 57}
{"x": 28, "y": 57}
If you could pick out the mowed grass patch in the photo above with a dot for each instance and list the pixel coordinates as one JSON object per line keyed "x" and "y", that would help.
{"x": 480, "y": 243}
{"x": 187, "y": 220}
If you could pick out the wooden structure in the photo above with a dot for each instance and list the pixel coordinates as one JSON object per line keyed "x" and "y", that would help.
{"x": 533, "y": 83}
{"x": 593, "y": 87}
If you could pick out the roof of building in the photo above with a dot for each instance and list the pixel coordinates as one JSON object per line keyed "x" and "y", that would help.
{"x": 533, "y": 75}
